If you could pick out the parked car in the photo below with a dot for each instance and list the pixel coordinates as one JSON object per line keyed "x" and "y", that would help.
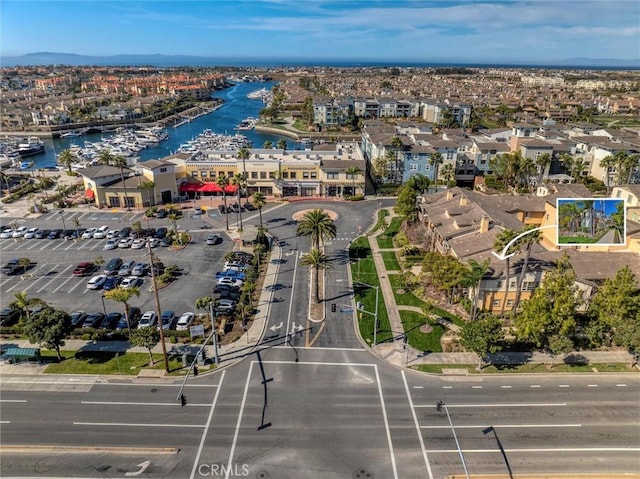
{"x": 197, "y": 211}
{"x": 139, "y": 243}
{"x": 111, "y": 283}
{"x": 140, "y": 269}
{"x": 229, "y": 281}
{"x": 166, "y": 241}
{"x": 112, "y": 234}
{"x": 214, "y": 239}
{"x": 222, "y": 209}
{"x": 84, "y": 269}
{"x": 147, "y": 320}
{"x": 226, "y": 292}
{"x": 19, "y": 232}
{"x": 242, "y": 257}
{"x": 153, "y": 242}
{"x": 30, "y": 233}
{"x": 111, "y": 244}
{"x": 93, "y": 320}
{"x": 70, "y": 234}
{"x": 125, "y": 242}
{"x": 249, "y": 207}
{"x": 185, "y": 321}
{"x": 42, "y": 234}
{"x": 77, "y": 318}
{"x": 158, "y": 268}
{"x": 9, "y": 316}
{"x": 168, "y": 320}
{"x": 88, "y": 234}
{"x": 55, "y": 233}
{"x": 6, "y": 233}
{"x": 161, "y": 213}
{"x": 225, "y": 305}
{"x": 124, "y": 232}
{"x": 12, "y": 267}
{"x": 126, "y": 267}
{"x": 131, "y": 282}
{"x": 101, "y": 232}
{"x": 134, "y": 317}
{"x": 161, "y": 232}
{"x": 110, "y": 320}
{"x": 113, "y": 266}
{"x": 231, "y": 274}
{"x": 96, "y": 282}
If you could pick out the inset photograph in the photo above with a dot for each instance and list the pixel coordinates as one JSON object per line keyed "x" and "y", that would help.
{"x": 591, "y": 221}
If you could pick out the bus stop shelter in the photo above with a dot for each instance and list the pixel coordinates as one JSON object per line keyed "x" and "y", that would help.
{"x": 16, "y": 355}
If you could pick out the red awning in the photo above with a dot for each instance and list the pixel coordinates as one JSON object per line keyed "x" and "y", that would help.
{"x": 206, "y": 188}
{"x": 210, "y": 188}
{"x": 89, "y": 193}
{"x": 185, "y": 187}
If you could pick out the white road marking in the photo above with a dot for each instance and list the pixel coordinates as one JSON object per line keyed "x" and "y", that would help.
{"x": 592, "y": 385}
{"x": 386, "y": 425}
{"x": 506, "y": 387}
{"x": 318, "y": 363}
{"x": 418, "y": 387}
{"x": 237, "y": 430}
{"x": 554, "y": 450}
{"x": 13, "y": 400}
{"x": 127, "y": 424}
{"x": 447, "y": 387}
{"x": 563, "y": 385}
{"x": 415, "y": 421}
{"x": 482, "y": 426}
{"x": 450, "y": 406}
{"x": 196, "y": 461}
{"x": 5, "y": 422}
{"x": 124, "y": 403}
{"x": 476, "y": 387}
{"x": 621, "y": 385}
{"x": 293, "y": 287}
{"x": 535, "y": 386}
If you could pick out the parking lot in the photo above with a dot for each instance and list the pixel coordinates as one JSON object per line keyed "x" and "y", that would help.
{"x": 49, "y": 277}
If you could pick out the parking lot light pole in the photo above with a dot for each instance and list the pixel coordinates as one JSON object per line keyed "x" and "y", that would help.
{"x": 439, "y": 406}
{"x": 158, "y": 312}
{"x": 374, "y": 314}
{"x": 104, "y": 310}
{"x": 64, "y": 226}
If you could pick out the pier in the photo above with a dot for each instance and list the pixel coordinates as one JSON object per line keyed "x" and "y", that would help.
{"x": 188, "y": 116}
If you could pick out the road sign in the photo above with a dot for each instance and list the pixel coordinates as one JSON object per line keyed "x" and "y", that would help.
{"x": 197, "y": 331}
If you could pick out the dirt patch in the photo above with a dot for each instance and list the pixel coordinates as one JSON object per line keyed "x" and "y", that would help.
{"x": 426, "y": 328}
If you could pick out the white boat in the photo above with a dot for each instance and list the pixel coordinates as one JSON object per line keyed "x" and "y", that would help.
{"x": 258, "y": 94}
{"x": 71, "y": 134}
{"x": 247, "y": 124}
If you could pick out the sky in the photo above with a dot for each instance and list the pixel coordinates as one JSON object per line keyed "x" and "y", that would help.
{"x": 504, "y": 31}
{"x": 610, "y": 206}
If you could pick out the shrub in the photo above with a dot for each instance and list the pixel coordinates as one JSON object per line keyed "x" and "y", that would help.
{"x": 356, "y": 198}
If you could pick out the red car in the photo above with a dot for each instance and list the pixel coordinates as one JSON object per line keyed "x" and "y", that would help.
{"x": 84, "y": 269}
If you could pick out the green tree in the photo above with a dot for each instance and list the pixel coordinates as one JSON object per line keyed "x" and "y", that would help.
{"x": 123, "y": 295}
{"x": 223, "y": 182}
{"x": 473, "y": 279}
{"x": 25, "y": 263}
{"x": 204, "y": 303}
{"x": 48, "y": 328}
{"x": 77, "y": 224}
{"x": 267, "y": 145}
{"x": 239, "y": 180}
{"x": 317, "y": 225}
{"x": 282, "y": 144}
{"x": 145, "y": 338}
{"x": 173, "y": 216}
{"x": 244, "y": 154}
{"x": 483, "y": 337}
{"x": 502, "y": 240}
{"x": 381, "y": 168}
{"x": 406, "y": 203}
{"x": 107, "y": 158}
{"x": 608, "y": 163}
{"x": 448, "y": 174}
{"x": 435, "y": 160}
{"x": 552, "y": 308}
{"x": 317, "y": 260}
{"x": 525, "y": 244}
{"x": 67, "y": 158}
{"x": 542, "y": 162}
{"x": 259, "y": 201}
{"x": 559, "y": 344}
{"x": 24, "y": 303}
{"x": 149, "y": 186}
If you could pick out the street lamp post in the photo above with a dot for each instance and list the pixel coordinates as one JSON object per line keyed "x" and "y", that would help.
{"x": 439, "y": 406}
{"x": 64, "y": 226}
{"x": 374, "y": 314}
{"x": 104, "y": 310}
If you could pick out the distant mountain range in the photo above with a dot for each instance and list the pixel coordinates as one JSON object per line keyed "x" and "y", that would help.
{"x": 50, "y": 58}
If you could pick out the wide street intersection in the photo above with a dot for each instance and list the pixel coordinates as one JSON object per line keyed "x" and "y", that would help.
{"x": 328, "y": 408}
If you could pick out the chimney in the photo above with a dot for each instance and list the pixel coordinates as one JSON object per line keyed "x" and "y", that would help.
{"x": 450, "y": 195}
{"x": 484, "y": 224}
{"x": 464, "y": 201}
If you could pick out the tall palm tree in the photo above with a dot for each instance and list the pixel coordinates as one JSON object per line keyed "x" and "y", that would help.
{"x": 282, "y": 144}
{"x": 397, "y": 145}
{"x": 123, "y": 295}
{"x": 67, "y": 158}
{"x": 317, "y": 260}
{"x": 23, "y": 303}
{"x": 474, "y": 276}
{"x": 318, "y": 226}
{"x": 148, "y": 185}
{"x": 239, "y": 181}
{"x": 353, "y": 171}
{"x": 502, "y": 240}
{"x": 525, "y": 243}
{"x": 259, "y": 201}
{"x": 204, "y": 303}
{"x": 435, "y": 161}
{"x": 608, "y": 162}
{"x": 107, "y": 158}
{"x": 542, "y": 162}
{"x": 223, "y": 181}
{"x": 267, "y": 145}
{"x": 244, "y": 154}
{"x": 448, "y": 173}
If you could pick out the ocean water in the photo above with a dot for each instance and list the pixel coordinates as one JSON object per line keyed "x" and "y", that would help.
{"x": 236, "y": 108}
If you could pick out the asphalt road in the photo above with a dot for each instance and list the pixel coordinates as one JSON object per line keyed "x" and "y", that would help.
{"x": 328, "y": 408}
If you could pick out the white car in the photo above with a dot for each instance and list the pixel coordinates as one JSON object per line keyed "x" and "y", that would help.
{"x": 227, "y": 281}
{"x": 153, "y": 242}
{"x": 6, "y": 233}
{"x": 112, "y": 234}
{"x": 125, "y": 243}
{"x": 111, "y": 244}
{"x": 96, "y": 282}
{"x": 89, "y": 233}
{"x": 31, "y": 233}
{"x": 185, "y": 321}
{"x": 147, "y": 320}
{"x": 131, "y": 282}
{"x": 139, "y": 243}
{"x": 19, "y": 233}
{"x": 101, "y": 233}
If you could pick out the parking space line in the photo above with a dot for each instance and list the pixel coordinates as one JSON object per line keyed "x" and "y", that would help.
{"x": 62, "y": 284}
{"x": 417, "y": 424}
{"x": 450, "y": 406}
{"x": 60, "y": 243}
{"x": 196, "y": 461}
{"x": 127, "y": 424}
{"x": 386, "y": 424}
{"x": 483, "y": 426}
{"x": 124, "y": 403}
{"x": 76, "y": 286}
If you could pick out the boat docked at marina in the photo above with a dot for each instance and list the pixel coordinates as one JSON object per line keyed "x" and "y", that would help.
{"x": 248, "y": 123}
{"x": 210, "y": 141}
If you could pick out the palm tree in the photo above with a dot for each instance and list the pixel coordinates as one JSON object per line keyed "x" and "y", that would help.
{"x": 76, "y": 223}
{"x": 318, "y": 225}
{"x": 474, "y": 276}
{"x": 205, "y": 304}
{"x": 172, "y": 214}
{"x": 607, "y": 163}
{"x": 149, "y": 185}
{"x": 259, "y": 201}
{"x": 119, "y": 162}
{"x": 267, "y": 145}
{"x": 317, "y": 260}
{"x": 123, "y": 295}
{"x": 67, "y": 158}
{"x": 448, "y": 173}
{"x": 23, "y": 303}
{"x": 244, "y": 154}
{"x": 239, "y": 181}
{"x": 542, "y": 162}
{"x": 525, "y": 243}
{"x": 223, "y": 181}
{"x": 435, "y": 161}
{"x": 397, "y": 145}
{"x": 282, "y": 144}
{"x": 502, "y": 240}
{"x": 353, "y": 171}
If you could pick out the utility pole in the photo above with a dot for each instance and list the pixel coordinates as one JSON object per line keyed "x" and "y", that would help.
{"x": 439, "y": 406}
{"x": 158, "y": 311}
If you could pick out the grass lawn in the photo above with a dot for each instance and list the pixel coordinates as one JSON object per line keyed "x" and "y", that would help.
{"x": 411, "y": 322}
{"x": 364, "y": 270}
{"x": 577, "y": 239}
{"x": 528, "y": 368}
{"x": 100, "y": 362}
{"x": 391, "y": 261}
{"x": 394, "y": 226}
{"x": 382, "y": 214}
{"x": 384, "y": 242}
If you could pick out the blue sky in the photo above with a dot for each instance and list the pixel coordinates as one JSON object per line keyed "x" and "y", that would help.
{"x": 471, "y": 31}
{"x": 610, "y": 205}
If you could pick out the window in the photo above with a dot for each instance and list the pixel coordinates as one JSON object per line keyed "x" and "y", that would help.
{"x": 163, "y": 170}
{"x": 499, "y": 284}
{"x": 496, "y": 303}
{"x": 414, "y": 167}
{"x": 305, "y": 174}
{"x": 114, "y": 202}
{"x": 285, "y": 175}
{"x": 293, "y": 175}
{"x": 194, "y": 173}
{"x": 254, "y": 175}
{"x": 203, "y": 174}
{"x": 229, "y": 174}
{"x": 212, "y": 174}
{"x": 510, "y": 302}
{"x": 272, "y": 175}
{"x": 333, "y": 175}
{"x": 263, "y": 175}
{"x": 528, "y": 285}
{"x": 314, "y": 175}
